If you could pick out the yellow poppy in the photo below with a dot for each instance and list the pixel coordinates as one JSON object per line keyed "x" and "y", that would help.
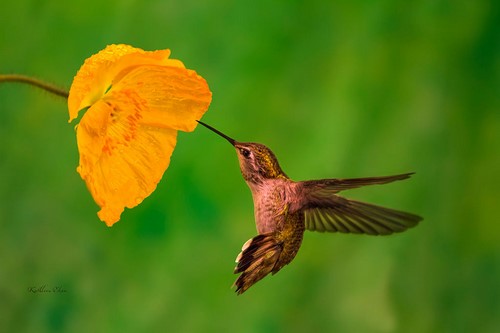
{"x": 135, "y": 102}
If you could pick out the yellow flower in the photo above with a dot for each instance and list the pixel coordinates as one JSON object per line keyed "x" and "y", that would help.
{"x": 136, "y": 101}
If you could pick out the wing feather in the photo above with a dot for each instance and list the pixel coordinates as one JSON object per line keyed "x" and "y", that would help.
{"x": 336, "y": 185}
{"x": 325, "y": 211}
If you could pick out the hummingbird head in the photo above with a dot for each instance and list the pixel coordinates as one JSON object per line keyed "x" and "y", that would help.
{"x": 257, "y": 162}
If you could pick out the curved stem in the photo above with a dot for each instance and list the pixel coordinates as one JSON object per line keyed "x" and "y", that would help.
{"x": 34, "y": 82}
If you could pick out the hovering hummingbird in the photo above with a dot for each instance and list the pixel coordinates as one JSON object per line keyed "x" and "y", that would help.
{"x": 284, "y": 209}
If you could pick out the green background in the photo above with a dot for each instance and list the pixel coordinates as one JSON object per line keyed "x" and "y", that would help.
{"x": 336, "y": 89}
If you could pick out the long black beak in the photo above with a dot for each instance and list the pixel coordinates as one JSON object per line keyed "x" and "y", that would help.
{"x": 231, "y": 141}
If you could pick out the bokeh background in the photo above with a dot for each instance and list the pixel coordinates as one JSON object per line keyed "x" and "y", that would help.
{"x": 336, "y": 89}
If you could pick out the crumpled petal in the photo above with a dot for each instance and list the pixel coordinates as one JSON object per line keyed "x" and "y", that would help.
{"x": 121, "y": 159}
{"x": 98, "y": 73}
{"x": 174, "y": 97}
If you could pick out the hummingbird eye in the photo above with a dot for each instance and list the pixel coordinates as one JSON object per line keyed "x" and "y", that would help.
{"x": 245, "y": 152}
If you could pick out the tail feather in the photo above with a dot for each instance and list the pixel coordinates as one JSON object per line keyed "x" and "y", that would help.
{"x": 257, "y": 259}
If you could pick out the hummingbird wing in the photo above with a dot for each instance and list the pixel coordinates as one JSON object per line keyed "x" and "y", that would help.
{"x": 336, "y": 185}
{"x": 326, "y": 211}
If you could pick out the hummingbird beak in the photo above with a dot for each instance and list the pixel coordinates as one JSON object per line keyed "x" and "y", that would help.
{"x": 231, "y": 141}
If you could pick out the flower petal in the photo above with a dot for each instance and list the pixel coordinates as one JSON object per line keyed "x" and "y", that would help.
{"x": 175, "y": 97}
{"x": 121, "y": 159}
{"x": 99, "y": 71}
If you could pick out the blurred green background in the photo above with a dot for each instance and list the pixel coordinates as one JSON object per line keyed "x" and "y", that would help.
{"x": 336, "y": 89}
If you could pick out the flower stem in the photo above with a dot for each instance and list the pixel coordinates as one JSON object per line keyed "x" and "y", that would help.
{"x": 34, "y": 82}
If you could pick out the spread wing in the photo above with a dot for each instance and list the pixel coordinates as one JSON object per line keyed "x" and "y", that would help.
{"x": 327, "y": 211}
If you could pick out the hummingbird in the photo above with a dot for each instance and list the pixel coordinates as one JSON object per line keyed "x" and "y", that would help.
{"x": 284, "y": 209}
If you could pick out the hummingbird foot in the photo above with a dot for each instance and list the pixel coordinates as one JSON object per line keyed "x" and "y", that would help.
{"x": 257, "y": 259}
